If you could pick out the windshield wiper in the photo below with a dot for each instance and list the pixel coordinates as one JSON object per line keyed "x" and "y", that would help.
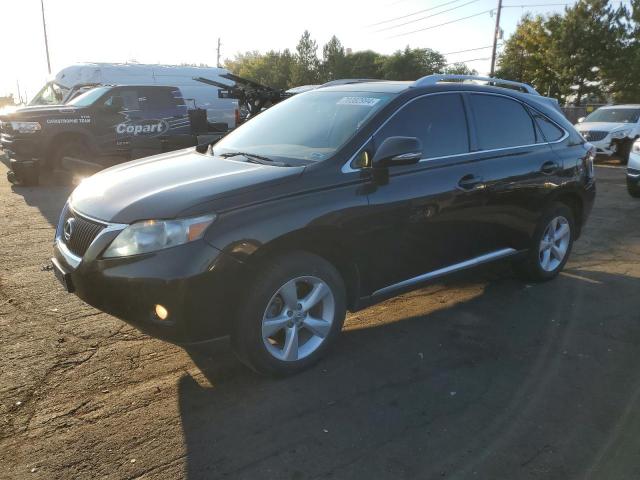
{"x": 255, "y": 158}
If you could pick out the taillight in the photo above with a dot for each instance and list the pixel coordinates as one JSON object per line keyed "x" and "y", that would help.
{"x": 237, "y": 117}
{"x": 589, "y": 161}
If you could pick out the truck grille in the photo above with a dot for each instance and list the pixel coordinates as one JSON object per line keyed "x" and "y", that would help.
{"x": 594, "y": 135}
{"x": 83, "y": 232}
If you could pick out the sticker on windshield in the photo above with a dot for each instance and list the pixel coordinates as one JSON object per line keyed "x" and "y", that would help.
{"x": 362, "y": 101}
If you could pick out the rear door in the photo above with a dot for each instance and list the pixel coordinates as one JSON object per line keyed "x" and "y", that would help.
{"x": 115, "y": 119}
{"x": 520, "y": 167}
{"x": 427, "y": 216}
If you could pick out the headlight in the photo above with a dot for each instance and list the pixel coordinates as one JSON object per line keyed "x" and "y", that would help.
{"x": 636, "y": 147}
{"x": 620, "y": 133}
{"x": 152, "y": 235}
{"x": 26, "y": 127}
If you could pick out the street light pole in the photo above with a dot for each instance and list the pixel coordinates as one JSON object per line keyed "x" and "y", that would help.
{"x": 46, "y": 42}
{"x": 496, "y": 34}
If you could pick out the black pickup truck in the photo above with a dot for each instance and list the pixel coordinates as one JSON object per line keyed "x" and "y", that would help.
{"x": 99, "y": 128}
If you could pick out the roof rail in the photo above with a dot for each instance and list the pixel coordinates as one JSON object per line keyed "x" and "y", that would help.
{"x": 433, "y": 79}
{"x": 346, "y": 81}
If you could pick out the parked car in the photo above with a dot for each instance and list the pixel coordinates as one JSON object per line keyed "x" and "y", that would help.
{"x": 103, "y": 126}
{"x": 612, "y": 129}
{"x": 633, "y": 171}
{"x": 332, "y": 200}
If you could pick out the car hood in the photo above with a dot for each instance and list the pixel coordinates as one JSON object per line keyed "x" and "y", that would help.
{"x": 170, "y": 184}
{"x": 602, "y": 126}
{"x": 37, "y": 111}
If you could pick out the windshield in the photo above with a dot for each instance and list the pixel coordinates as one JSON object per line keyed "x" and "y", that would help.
{"x": 50, "y": 94}
{"x": 88, "y": 97}
{"x": 617, "y": 115}
{"x": 309, "y": 126}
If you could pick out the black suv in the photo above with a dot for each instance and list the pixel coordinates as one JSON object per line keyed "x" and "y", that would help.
{"x": 332, "y": 200}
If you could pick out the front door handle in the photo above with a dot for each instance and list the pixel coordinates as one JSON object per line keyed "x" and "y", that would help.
{"x": 549, "y": 167}
{"x": 470, "y": 182}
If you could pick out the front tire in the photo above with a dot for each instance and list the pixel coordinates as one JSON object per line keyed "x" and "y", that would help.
{"x": 550, "y": 245}
{"x": 633, "y": 188}
{"x": 293, "y": 313}
{"x": 624, "y": 151}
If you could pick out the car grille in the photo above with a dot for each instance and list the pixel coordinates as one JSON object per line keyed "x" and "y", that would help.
{"x": 594, "y": 135}
{"x": 83, "y": 233}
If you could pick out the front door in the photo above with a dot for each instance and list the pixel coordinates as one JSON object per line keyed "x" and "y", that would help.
{"x": 427, "y": 216}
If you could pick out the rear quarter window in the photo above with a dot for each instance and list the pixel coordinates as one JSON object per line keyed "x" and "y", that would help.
{"x": 501, "y": 122}
{"x": 550, "y": 131}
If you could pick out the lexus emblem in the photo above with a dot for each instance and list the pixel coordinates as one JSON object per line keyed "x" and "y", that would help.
{"x": 68, "y": 229}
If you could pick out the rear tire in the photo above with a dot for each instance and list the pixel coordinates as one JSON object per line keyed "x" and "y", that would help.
{"x": 550, "y": 245}
{"x": 293, "y": 312}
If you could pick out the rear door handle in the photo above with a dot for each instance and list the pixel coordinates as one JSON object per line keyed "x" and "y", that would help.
{"x": 549, "y": 167}
{"x": 470, "y": 182}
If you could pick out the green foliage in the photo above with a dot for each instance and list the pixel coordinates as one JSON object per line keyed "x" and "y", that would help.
{"x": 583, "y": 54}
{"x": 459, "y": 69}
{"x": 286, "y": 70}
{"x": 410, "y": 64}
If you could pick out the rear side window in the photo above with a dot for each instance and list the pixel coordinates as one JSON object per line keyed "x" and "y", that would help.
{"x": 501, "y": 122}
{"x": 438, "y": 121}
{"x": 125, "y": 97}
{"x": 161, "y": 99}
{"x": 550, "y": 132}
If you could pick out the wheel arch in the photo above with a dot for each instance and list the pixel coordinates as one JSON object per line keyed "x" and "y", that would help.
{"x": 59, "y": 139}
{"x": 327, "y": 242}
{"x": 574, "y": 201}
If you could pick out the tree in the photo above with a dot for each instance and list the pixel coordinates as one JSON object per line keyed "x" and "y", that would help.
{"x": 306, "y": 69}
{"x": 273, "y": 68}
{"x": 334, "y": 61}
{"x": 411, "y": 64}
{"x": 364, "y": 64}
{"x": 459, "y": 69}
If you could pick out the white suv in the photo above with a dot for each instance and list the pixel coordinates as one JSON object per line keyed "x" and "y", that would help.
{"x": 612, "y": 129}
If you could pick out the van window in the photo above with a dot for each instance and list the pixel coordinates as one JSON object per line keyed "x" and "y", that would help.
{"x": 438, "y": 121}
{"x": 501, "y": 122}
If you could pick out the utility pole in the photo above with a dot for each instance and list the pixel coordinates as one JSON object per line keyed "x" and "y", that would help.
{"x": 496, "y": 34}
{"x": 218, "y": 56}
{"x": 46, "y": 42}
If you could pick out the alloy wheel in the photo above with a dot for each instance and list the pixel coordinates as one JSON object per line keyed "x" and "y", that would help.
{"x": 554, "y": 243}
{"x": 298, "y": 318}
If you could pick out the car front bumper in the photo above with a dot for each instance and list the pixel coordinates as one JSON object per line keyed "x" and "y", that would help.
{"x": 193, "y": 282}
{"x": 607, "y": 146}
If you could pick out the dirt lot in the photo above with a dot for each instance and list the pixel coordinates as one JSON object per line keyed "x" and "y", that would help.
{"x": 485, "y": 377}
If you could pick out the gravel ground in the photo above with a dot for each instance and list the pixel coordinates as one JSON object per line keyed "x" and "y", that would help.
{"x": 482, "y": 376}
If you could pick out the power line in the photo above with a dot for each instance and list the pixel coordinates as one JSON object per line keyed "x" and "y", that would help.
{"x": 427, "y": 16}
{"x": 414, "y": 13}
{"x": 469, "y": 50}
{"x": 442, "y": 24}
{"x": 537, "y": 5}
{"x": 470, "y": 60}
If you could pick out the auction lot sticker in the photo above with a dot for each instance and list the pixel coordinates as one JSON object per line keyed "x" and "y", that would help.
{"x": 361, "y": 101}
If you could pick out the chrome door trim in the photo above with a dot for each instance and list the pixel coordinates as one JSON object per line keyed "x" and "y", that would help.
{"x": 487, "y": 257}
{"x": 346, "y": 168}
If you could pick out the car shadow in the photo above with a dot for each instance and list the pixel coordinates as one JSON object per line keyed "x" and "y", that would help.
{"x": 488, "y": 378}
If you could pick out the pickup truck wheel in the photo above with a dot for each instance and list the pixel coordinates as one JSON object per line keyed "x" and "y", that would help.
{"x": 70, "y": 148}
{"x": 293, "y": 312}
{"x": 550, "y": 245}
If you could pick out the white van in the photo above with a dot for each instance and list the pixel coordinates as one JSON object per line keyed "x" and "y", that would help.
{"x": 196, "y": 94}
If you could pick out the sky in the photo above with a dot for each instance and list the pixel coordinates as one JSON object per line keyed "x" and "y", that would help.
{"x": 186, "y": 31}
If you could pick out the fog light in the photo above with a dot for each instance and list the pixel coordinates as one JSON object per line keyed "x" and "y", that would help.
{"x": 161, "y": 312}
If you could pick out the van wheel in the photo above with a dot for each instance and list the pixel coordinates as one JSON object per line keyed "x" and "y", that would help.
{"x": 550, "y": 245}
{"x": 294, "y": 310}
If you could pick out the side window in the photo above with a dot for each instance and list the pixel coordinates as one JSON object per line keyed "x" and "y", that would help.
{"x": 127, "y": 99}
{"x": 438, "y": 121}
{"x": 550, "y": 131}
{"x": 161, "y": 99}
{"x": 501, "y": 122}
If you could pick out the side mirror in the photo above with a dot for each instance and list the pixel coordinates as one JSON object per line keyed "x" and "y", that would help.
{"x": 581, "y": 119}
{"x": 397, "y": 151}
